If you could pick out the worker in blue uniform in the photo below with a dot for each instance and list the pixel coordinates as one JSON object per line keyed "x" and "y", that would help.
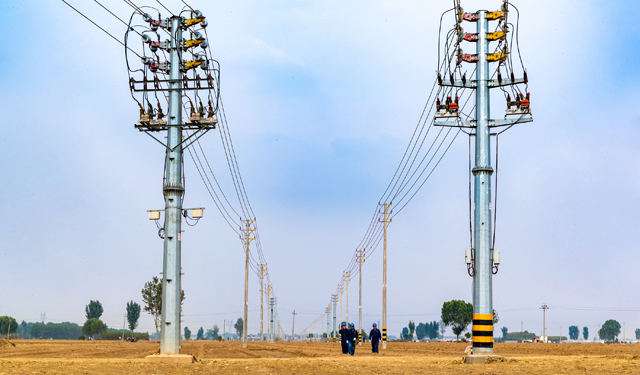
{"x": 375, "y": 336}
{"x": 353, "y": 335}
{"x": 344, "y": 336}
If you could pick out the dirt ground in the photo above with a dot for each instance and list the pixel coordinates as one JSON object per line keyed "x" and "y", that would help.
{"x": 212, "y": 357}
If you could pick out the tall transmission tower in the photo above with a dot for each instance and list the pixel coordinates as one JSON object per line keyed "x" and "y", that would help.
{"x": 385, "y": 221}
{"x": 482, "y": 260}
{"x": 151, "y": 122}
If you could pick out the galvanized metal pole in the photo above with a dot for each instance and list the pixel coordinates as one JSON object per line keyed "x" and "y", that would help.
{"x": 173, "y": 191}
{"x": 482, "y": 288}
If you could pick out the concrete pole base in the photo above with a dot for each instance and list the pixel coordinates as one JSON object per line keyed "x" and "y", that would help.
{"x": 170, "y": 358}
{"x": 481, "y": 358}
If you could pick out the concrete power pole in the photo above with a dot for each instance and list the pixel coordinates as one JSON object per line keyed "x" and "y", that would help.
{"x": 347, "y": 278}
{"x": 273, "y": 332}
{"x": 482, "y": 262}
{"x": 328, "y": 311}
{"x": 544, "y": 322}
{"x": 334, "y": 299}
{"x": 341, "y": 291}
{"x": 385, "y": 212}
{"x": 263, "y": 274}
{"x": 293, "y": 326}
{"x": 360, "y": 261}
{"x": 247, "y": 240}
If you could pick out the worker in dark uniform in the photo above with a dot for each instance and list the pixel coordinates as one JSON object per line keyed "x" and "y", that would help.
{"x": 353, "y": 335}
{"x": 375, "y": 336}
{"x": 344, "y": 335}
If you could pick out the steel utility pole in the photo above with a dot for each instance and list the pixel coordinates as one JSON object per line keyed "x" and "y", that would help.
{"x": 347, "y": 278}
{"x": 263, "y": 274}
{"x": 360, "y": 261}
{"x": 293, "y": 326}
{"x": 247, "y": 240}
{"x": 173, "y": 187}
{"x": 386, "y": 221}
{"x": 482, "y": 261}
{"x": 544, "y": 322}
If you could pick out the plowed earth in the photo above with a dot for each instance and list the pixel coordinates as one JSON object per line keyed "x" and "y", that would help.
{"x": 112, "y": 357}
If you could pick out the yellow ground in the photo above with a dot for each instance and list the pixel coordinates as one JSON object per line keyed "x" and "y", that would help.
{"x": 112, "y": 357}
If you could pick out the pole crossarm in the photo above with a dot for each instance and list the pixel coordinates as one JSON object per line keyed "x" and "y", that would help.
{"x": 472, "y": 124}
{"x": 491, "y": 83}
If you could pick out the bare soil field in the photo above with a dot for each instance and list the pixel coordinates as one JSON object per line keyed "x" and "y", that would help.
{"x": 212, "y": 357}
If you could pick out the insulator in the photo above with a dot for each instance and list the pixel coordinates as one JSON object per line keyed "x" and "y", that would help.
{"x": 205, "y": 65}
{"x": 197, "y": 14}
{"x": 499, "y": 77}
{"x": 439, "y": 79}
{"x": 154, "y": 26}
{"x": 451, "y": 78}
{"x": 146, "y": 38}
{"x": 204, "y": 23}
{"x": 148, "y": 60}
{"x": 197, "y": 36}
{"x": 204, "y": 44}
{"x": 147, "y": 17}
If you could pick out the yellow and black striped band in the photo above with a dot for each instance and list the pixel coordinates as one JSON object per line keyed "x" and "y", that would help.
{"x": 482, "y": 330}
{"x": 384, "y": 333}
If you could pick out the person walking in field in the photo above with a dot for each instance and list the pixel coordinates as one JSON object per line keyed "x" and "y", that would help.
{"x": 353, "y": 334}
{"x": 375, "y": 336}
{"x": 344, "y": 335}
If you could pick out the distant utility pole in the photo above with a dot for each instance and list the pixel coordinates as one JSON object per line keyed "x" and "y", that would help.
{"x": 293, "y": 326}
{"x": 360, "y": 261}
{"x": 347, "y": 278}
{"x": 224, "y": 330}
{"x": 124, "y": 320}
{"x": 247, "y": 240}
{"x": 273, "y": 332}
{"x": 334, "y": 299}
{"x": 269, "y": 288}
{"x": 328, "y": 311}
{"x": 482, "y": 262}
{"x": 386, "y": 221}
{"x": 544, "y": 323}
{"x": 341, "y": 287}
{"x": 263, "y": 274}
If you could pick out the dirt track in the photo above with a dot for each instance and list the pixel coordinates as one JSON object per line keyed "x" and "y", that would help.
{"x": 108, "y": 357}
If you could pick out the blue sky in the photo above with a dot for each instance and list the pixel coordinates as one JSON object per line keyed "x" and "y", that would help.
{"x": 322, "y": 99}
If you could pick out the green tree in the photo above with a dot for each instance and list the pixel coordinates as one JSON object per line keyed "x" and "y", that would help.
{"x": 496, "y": 319}
{"x": 187, "y": 333}
{"x": 505, "y": 331}
{"x": 93, "y": 310}
{"x": 239, "y": 327}
{"x": 152, "y": 298}
{"x": 405, "y": 333}
{"x": 23, "y": 330}
{"x": 8, "y": 325}
{"x": 457, "y": 314}
{"x": 432, "y": 330}
{"x": 443, "y": 328}
{"x": 610, "y": 329}
{"x": 637, "y": 333}
{"x": 133, "y": 314}
{"x": 421, "y": 331}
{"x": 93, "y": 327}
{"x": 212, "y": 334}
{"x": 200, "y": 334}
{"x": 412, "y": 328}
{"x": 574, "y": 332}
{"x": 585, "y": 333}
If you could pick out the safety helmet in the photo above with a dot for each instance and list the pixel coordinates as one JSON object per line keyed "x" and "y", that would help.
{"x": 352, "y": 325}
{"x": 375, "y": 325}
{"x": 344, "y": 323}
